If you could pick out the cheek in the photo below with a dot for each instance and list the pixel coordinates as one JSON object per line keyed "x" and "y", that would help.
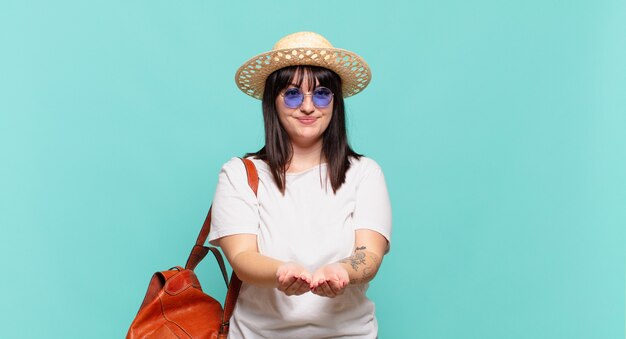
{"x": 277, "y": 102}
{"x": 328, "y": 113}
{"x": 281, "y": 112}
{"x": 328, "y": 118}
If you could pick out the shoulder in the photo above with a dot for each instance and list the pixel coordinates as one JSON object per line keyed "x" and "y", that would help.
{"x": 234, "y": 164}
{"x": 234, "y": 169}
{"x": 233, "y": 177}
{"x": 363, "y": 170}
{"x": 364, "y": 165}
{"x": 260, "y": 164}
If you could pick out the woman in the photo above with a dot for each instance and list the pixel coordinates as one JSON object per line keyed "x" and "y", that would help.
{"x": 308, "y": 244}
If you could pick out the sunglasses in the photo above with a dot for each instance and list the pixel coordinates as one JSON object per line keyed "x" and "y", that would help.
{"x": 293, "y": 97}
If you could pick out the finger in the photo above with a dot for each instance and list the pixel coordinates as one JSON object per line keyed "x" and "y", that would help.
{"x": 298, "y": 287}
{"x": 304, "y": 287}
{"x": 317, "y": 290}
{"x": 316, "y": 282}
{"x": 287, "y": 283}
{"x": 280, "y": 278}
{"x": 294, "y": 288}
{"x": 326, "y": 290}
{"x": 306, "y": 276}
{"x": 284, "y": 274}
{"x": 282, "y": 271}
{"x": 336, "y": 286}
{"x": 314, "y": 285}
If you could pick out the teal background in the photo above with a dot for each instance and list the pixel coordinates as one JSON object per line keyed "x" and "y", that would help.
{"x": 499, "y": 125}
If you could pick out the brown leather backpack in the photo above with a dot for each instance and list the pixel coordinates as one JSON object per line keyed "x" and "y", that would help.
{"x": 176, "y": 307}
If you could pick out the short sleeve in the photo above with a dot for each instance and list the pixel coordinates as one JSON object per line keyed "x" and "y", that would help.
{"x": 235, "y": 208}
{"x": 372, "y": 206}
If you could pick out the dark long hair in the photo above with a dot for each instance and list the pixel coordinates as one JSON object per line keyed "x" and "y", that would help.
{"x": 278, "y": 151}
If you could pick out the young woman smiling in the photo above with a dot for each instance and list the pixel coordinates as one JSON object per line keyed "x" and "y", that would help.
{"x": 307, "y": 246}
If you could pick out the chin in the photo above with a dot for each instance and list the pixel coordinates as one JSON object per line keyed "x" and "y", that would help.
{"x": 309, "y": 137}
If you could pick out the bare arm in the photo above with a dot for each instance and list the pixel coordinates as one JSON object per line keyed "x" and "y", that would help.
{"x": 369, "y": 249}
{"x": 252, "y": 267}
{"x": 359, "y": 268}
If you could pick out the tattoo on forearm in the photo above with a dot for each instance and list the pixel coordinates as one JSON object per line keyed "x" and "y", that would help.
{"x": 354, "y": 260}
{"x": 367, "y": 274}
{"x": 363, "y": 262}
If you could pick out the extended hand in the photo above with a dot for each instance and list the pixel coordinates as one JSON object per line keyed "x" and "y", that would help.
{"x": 330, "y": 280}
{"x": 293, "y": 279}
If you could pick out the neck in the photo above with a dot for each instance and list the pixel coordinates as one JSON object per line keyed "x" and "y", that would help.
{"x": 306, "y": 156}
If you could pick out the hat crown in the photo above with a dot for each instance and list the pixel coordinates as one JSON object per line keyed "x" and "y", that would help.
{"x": 302, "y": 40}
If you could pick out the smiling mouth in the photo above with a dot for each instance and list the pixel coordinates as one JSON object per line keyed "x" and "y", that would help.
{"x": 307, "y": 121}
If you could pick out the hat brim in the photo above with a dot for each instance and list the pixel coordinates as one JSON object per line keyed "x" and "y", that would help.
{"x": 354, "y": 72}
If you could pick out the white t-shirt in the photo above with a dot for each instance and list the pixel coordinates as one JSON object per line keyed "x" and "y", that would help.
{"x": 309, "y": 225}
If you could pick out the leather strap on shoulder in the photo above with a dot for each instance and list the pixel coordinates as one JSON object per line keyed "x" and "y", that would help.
{"x": 235, "y": 282}
{"x": 199, "y": 251}
{"x": 253, "y": 175}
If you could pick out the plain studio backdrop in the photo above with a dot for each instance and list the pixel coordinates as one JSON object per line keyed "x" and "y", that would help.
{"x": 500, "y": 126}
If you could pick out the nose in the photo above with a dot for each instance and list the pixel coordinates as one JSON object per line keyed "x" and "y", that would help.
{"x": 307, "y": 106}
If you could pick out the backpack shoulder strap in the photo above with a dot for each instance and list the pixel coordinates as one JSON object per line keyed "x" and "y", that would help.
{"x": 199, "y": 251}
{"x": 235, "y": 282}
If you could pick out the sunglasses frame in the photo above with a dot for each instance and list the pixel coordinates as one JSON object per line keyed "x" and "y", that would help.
{"x": 311, "y": 94}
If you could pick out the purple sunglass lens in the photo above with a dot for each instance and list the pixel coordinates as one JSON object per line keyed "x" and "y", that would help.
{"x": 322, "y": 97}
{"x": 293, "y": 98}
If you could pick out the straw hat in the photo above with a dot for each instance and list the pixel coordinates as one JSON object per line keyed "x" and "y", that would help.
{"x": 303, "y": 48}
